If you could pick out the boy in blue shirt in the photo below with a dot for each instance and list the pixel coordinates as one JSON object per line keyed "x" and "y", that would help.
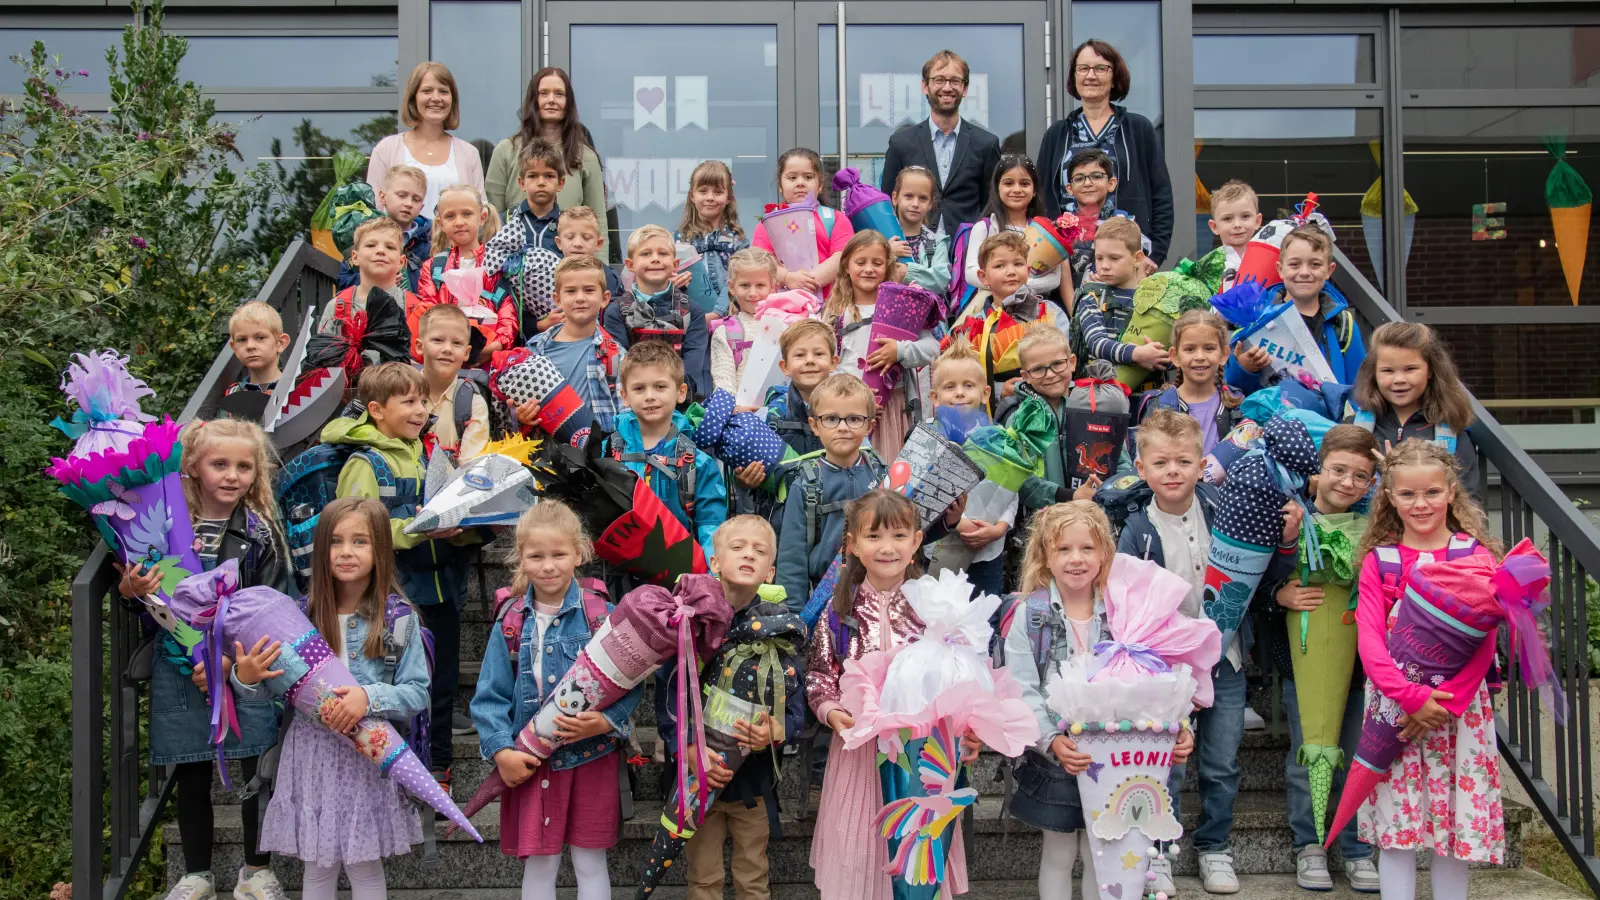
{"x": 580, "y": 348}
{"x": 658, "y": 308}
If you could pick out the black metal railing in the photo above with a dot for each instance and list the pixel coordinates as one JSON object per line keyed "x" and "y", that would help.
{"x": 303, "y": 278}
{"x": 1532, "y": 506}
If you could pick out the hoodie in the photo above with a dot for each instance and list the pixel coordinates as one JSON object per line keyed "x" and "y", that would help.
{"x": 710, "y": 491}
{"x": 1344, "y": 361}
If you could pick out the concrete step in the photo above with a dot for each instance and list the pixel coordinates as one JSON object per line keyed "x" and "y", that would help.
{"x": 1000, "y": 851}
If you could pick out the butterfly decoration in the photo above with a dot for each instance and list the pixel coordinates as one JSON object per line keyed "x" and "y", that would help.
{"x": 120, "y": 505}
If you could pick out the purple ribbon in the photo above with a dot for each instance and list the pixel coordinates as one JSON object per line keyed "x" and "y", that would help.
{"x": 223, "y": 714}
{"x": 1141, "y": 655}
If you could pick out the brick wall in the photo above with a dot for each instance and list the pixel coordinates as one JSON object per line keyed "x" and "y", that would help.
{"x": 1448, "y": 268}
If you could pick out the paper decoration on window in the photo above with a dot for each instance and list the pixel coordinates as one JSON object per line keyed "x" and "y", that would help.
{"x": 895, "y": 99}
{"x": 649, "y": 101}
{"x": 691, "y": 100}
{"x": 662, "y": 182}
{"x": 1488, "y": 221}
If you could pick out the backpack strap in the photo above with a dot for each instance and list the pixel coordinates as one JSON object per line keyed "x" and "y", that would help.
{"x": 437, "y": 267}
{"x": 680, "y": 468}
{"x": 461, "y": 409}
{"x": 827, "y": 215}
{"x": 510, "y": 617}
{"x": 400, "y": 624}
{"x": 1364, "y": 420}
{"x": 811, "y": 496}
{"x": 1041, "y": 629}
{"x": 595, "y": 598}
{"x": 1445, "y": 436}
{"x": 1390, "y": 570}
{"x": 382, "y": 474}
{"x": 1460, "y": 545}
{"x": 1344, "y": 329}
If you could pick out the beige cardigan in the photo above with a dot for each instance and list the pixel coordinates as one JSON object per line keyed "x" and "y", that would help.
{"x": 586, "y": 187}
{"x": 391, "y": 151}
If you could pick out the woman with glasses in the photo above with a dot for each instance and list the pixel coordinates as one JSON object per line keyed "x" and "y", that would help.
{"x": 1100, "y": 79}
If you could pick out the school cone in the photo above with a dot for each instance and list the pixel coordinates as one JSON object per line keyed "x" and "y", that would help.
{"x": 1570, "y": 202}
{"x": 1125, "y": 795}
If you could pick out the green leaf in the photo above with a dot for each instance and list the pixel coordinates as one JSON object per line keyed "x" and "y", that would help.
{"x": 38, "y": 358}
{"x": 114, "y": 197}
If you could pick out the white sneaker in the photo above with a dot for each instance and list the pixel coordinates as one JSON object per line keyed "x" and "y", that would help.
{"x": 260, "y": 885}
{"x": 1363, "y": 875}
{"x": 194, "y": 886}
{"x": 1216, "y": 873}
{"x": 1311, "y": 869}
{"x": 1163, "y": 884}
{"x": 1253, "y": 720}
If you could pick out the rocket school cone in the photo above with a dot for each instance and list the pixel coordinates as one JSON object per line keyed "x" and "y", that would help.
{"x": 1570, "y": 202}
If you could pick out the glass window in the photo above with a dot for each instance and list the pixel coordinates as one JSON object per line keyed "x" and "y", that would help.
{"x": 1484, "y": 233}
{"x": 79, "y": 49}
{"x": 292, "y": 62}
{"x": 659, "y": 100}
{"x": 1285, "y": 154}
{"x": 1134, "y": 28}
{"x": 883, "y": 80}
{"x": 480, "y": 40}
{"x": 1499, "y": 57}
{"x": 1318, "y": 59}
{"x": 1521, "y": 362}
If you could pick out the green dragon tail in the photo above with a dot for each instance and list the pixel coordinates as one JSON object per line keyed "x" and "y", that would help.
{"x": 1320, "y": 762}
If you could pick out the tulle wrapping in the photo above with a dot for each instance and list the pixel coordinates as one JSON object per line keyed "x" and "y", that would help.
{"x": 107, "y": 396}
{"x": 1075, "y": 695}
{"x": 945, "y": 655}
{"x": 1141, "y": 602}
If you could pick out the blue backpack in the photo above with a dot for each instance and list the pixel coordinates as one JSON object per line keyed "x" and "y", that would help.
{"x": 961, "y": 293}
{"x": 306, "y": 485}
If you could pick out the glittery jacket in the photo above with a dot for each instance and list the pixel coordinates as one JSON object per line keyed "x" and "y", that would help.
{"x": 872, "y": 612}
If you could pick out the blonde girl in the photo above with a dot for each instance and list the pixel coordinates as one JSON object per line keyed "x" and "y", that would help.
{"x": 1199, "y": 357}
{"x": 465, "y": 221}
{"x": 915, "y": 197}
{"x": 1408, "y": 387}
{"x": 800, "y": 181}
{"x": 228, "y": 469}
{"x": 865, "y": 264}
{"x": 574, "y": 802}
{"x": 711, "y": 224}
{"x": 330, "y": 807}
{"x": 1442, "y": 795}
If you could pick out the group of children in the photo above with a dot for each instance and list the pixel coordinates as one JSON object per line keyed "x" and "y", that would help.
{"x": 637, "y": 354}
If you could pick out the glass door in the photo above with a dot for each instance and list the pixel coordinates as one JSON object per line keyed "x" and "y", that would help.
{"x": 663, "y": 86}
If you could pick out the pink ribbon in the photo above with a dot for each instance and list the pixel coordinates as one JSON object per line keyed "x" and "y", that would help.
{"x": 1521, "y": 586}
{"x": 689, "y": 697}
{"x": 223, "y": 714}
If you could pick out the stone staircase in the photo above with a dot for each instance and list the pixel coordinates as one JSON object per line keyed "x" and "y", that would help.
{"x": 1001, "y": 858}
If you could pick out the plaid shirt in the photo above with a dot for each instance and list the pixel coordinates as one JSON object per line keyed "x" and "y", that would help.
{"x": 600, "y": 387}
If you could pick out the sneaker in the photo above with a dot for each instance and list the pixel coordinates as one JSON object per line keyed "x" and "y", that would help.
{"x": 260, "y": 885}
{"x": 1363, "y": 875}
{"x": 1253, "y": 720}
{"x": 1161, "y": 867}
{"x": 466, "y": 729}
{"x": 194, "y": 886}
{"x": 1216, "y": 873}
{"x": 1311, "y": 869}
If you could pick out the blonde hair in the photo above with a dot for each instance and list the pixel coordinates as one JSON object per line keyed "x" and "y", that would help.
{"x": 322, "y": 600}
{"x": 200, "y": 437}
{"x": 958, "y": 350}
{"x": 753, "y": 258}
{"x": 880, "y": 508}
{"x": 1311, "y": 234}
{"x": 375, "y": 224}
{"x": 578, "y": 265}
{"x": 646, "y": 233}
{"x": 410, "y": 115}
{"x": 844, "y": 386}
{"x": 842, "y": 302}
{"x": 1444, "y": 400}
{"x": 805, "y": 328}
{"x": 1121, "y": 229}
{"x": 737, "y": 523}
{"x": 579, "y": 214}
{"x": 405, "y": 171}
{"x": 1233, "y": 190}
{"x": 487, "y": 230}
{"x": 440, "y": 311}
{"x": 257, "y": 313}
{"x": 1206, "y": 318}
{"x": 1042, "y": 334}
{"x": 1384, "y": 527}
{"x": 385, "y": 381}
{"x": 1045, "y": 531}
{"x": 1170, "y": 425}
{"x": 1010, "y": 240}
{"x": 715, "y": 173}
{"x": 550, "y": 515}
{"x": 650, "y": 353}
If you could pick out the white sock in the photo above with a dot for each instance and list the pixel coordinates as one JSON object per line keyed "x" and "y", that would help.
{"x": 539, "y": 877}
{"x": 366, "y": 880}
{"x": 1055, "y": 865}
{"x": 1397, "y": 875}
{"x": 1449, "y": 878}
{"x": 594, "y": 882}
{"x": 320, "y": 883}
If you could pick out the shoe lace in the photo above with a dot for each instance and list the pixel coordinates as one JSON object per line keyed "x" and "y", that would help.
{"x": 272, "y": 890}
{"x": 1315, "y": 863}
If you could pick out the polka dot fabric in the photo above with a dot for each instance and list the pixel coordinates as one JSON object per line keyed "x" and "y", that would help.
{"x": 1252, "y": 503}
{"x": 737, "y": 439}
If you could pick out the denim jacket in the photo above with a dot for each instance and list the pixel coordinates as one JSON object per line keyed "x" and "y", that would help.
{"x": 508, "y": 699}
{"x": 1024, "y": 668}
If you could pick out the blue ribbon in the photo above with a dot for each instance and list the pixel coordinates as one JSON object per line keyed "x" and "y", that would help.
{"x": 1141, "y": 655}
{"x": 82, "y": 423}
{"x": 1293, "y": 485}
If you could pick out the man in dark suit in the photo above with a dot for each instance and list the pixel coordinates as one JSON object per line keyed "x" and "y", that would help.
{"x": 961, "y": 155}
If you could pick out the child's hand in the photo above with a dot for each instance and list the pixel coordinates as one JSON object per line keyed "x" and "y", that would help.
{"x": 489, "y": 350}
{"x": 1150, "y": 355}
{"x": 898, "y": 248}
{"x": 1184, "y": 747}
{"x": 976, "y": 533}
{"x": 1066, "y": 751}
{"x": 1086, "y": 490}
{"x": 343, "y": 716}
{"x": 898, "y": 272}
{"x": 717, "y": 774}
{"x": 1149, "y": 266}
{"x": 528, "y": 413}
{"x": 952, "y": 515}
{"x": 679, "y": 281}
{"x": 255, "y": 666}
{"x": 442, "y": 534}
{"x": 1251, "y": 359}
{"x": 752, "y": 475}
{"x": 886, "y": 355}
{"x": 134, "y": 584}
{"x": 800, "y": 281}
{"x": 754, "y": 737}
{"x": 1426, "y": 719}
{"x": 514, "y": 766}
{"x": 970, "y": 747}
{"x": 752, "y": 409}
{"x": 1293, "y": 595}
{"x": 1293, "y": 515}
{"x": 1007, "y": 388}
{"x": 555, "y": 317}
{"x": 586, "y": 724}
{"x": 839, "y": 720}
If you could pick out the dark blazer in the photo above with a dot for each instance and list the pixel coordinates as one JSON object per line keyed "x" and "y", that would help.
{"x": 962, "y": 197}
{"x": 1144, "y": 188}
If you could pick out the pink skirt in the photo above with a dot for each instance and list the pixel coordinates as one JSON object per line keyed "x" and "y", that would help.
{"x": 846, "y": 851}
{"x": 889, "y": 434}
{"x": 580, "y": 807}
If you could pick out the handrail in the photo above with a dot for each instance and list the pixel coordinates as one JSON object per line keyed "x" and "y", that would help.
{"x": 1530, "y": 502}
{"x": 303, "y": 277}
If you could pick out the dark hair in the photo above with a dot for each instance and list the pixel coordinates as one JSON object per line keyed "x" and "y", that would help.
{"x": 540, "y": 150}
{"x": 1121, "y": 78}
{"x": 816, "y": 163}
{"x": 874, "y": 509}
{"x": 1007, "y": 163}
{"x": 573, "y": 136}
{"x": 1348, "y": 439}
{"x": 1093, "y": 156}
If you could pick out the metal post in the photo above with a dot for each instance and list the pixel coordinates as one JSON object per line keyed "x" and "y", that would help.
{"x": 844, "y": 116}
{"x": 1394, "y": 179}
{"x": 88, "y": 766}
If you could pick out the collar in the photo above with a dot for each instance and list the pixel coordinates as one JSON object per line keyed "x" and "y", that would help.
{"x": 650, "y": 298}
{"x": 572, "y": 600}
{"x": 861, "y": 460}
{"x": 933, "y": 127}
{"x": 526, "y": 211}
{"x": 1189, "y": 518}
{"x": 866, "y": 589}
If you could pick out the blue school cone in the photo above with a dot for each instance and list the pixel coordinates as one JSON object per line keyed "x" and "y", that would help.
{"x": 924, "y": 795}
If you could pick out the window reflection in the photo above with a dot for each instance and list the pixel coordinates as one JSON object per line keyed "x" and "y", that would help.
{"x": 1518, "y": 364}
{"x": 1318, "y": 59}
{"x": 1499, "y": 57}
{"x": 1134, "y": 28}
{"x": 292, "y": 61}
{"x": 480, "y": 41}
{"x": 80, "y": 49}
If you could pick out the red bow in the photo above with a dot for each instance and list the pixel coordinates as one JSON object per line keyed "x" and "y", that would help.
{"x": 774, "y": 207}
{"x": 355, "y": 331}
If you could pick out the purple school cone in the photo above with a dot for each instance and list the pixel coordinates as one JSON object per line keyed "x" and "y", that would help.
{"x": 903, "y": 311}
{"x": 212, "y": 603}
{"x": 867, "y": 208}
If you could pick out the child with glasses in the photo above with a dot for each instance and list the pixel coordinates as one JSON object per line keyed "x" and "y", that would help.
{"x": 1091, "y": 181}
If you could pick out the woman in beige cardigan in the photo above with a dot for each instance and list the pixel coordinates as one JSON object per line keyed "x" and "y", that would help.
{"x": 432, "y": 109}
{"x": 550, "y": 111}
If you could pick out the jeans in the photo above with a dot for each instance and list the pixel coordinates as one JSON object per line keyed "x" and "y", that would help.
{"x": 1301, "y": 821}
{"x": 444, "y": 620}
{"x": 1218, "y": 731}
{"x": 988, "y": 577}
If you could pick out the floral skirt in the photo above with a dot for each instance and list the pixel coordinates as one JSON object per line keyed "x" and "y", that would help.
{"x": 1443, "y": 793}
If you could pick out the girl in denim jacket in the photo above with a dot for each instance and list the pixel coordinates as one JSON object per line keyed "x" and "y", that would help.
{"x": 571, "y": 799}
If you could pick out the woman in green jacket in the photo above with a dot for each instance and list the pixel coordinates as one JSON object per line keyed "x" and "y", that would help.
{"x": 550, "y": 111}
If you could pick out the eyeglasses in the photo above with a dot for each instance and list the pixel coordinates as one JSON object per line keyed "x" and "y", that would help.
{"x": 1337, "y": 474}
{"x": 1089, "y": 178}
{"x": 1101, "y": 70}
{"x": 1057, "y": 367}
{"x": 854, "y": 423}
{"x": 1412, "y": 498}
{"x": 943, "y": 82}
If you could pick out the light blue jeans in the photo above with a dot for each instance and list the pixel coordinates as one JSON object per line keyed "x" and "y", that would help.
{"x": 1218, "y": 731}
{"x": 1301, "y": 822}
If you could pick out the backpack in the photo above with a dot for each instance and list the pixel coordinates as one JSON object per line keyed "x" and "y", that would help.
{"x": 306, "y": 484}
{"x": 510, "y": 617}
{"x": 960, "y": 293}
{"x": 643, "y": 324}
{"x": 733, "y": 331}
{"x": 807, "y": 470}
{"x": 395, "y": 640}
{"x": 1040, "y": 625}
{"x": 680, "y": 468}
{"x": 1121, "y": 497}
{"x": 1114, "y": 316}
{"x": 1443, "y": 434}
{"x": 1392, "y": 572}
